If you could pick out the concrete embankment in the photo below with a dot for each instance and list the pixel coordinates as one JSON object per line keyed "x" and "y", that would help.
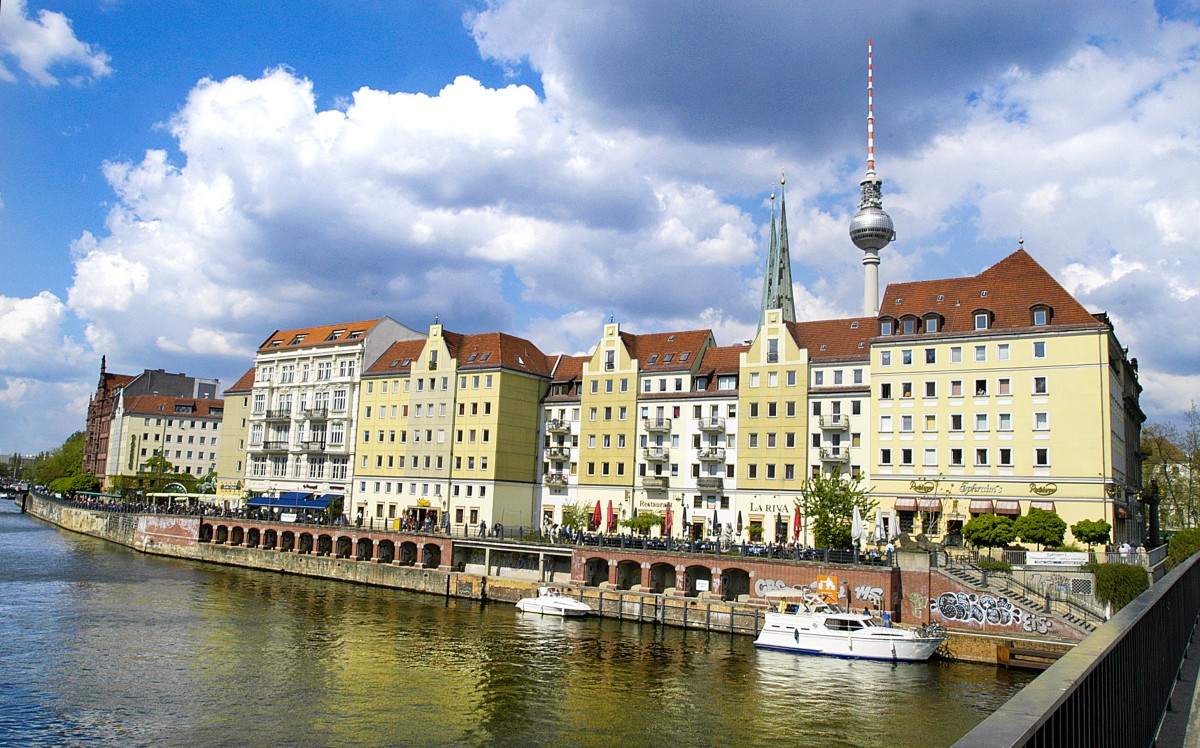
{"x": 179, "y": 537}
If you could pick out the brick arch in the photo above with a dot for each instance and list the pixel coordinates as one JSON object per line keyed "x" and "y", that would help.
{"x": 629, "y": 574}
{"x": 364, "y": 549}
{"x": 253, "y": 537}
{"x": 595, "y": 570}
{"x": 387, "y": 551}
{"x": 305, "y": 542}
{"x": 287, "y": 541}
{"x": 431, "y": 556}
{"x": 662, "y": 576}
{"x": 693, "y": 573}
{"x": 408, "y": 553}
{"x": 222, "y": 534}
{"x": 344, "y": 547}
{"x": 270, "y": 538}
{"x": 237, "y": 535}
{"x": 734, "y": 582}
{"x": 324, "y": 545}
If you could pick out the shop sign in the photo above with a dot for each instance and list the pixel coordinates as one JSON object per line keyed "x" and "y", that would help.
{"x": 761, "y": 506}
{"x": 1055, "y": 558}
{"x": 702, "y": 585}
{"x": 827, "y": 588}
{"x": 1043, "y": 489}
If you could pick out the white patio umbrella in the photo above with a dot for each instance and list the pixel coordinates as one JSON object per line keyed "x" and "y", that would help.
{"x": 880, "y": 533}
{"x": 894, "y": 525}
{"x": 856, "y": 527}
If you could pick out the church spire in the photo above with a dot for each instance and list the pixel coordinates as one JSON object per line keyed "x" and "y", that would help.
{"x": 777, "y": 281}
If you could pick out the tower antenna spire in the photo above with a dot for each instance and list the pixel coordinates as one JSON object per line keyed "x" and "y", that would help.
{"x": 871, "y": 228}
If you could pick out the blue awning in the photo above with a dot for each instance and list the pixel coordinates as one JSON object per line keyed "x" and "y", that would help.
{"x": 289, "y": 500}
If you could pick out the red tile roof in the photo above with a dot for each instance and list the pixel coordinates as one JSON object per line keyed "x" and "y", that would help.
{"x": 397, "y": 359}
{"x": 567, "y": 368}
{"x": 312, "y": 336}
{"x": 498, "y": 349}
{"x": 158, "y": 406}
{"x": 1009, "y": 290}
{"x": 244, "y": 384}
{"x": 835, "y": 339}
{"x": 671, "y": 351}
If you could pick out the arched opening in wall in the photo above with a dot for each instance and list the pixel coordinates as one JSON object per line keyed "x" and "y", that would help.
{"x": 306, "y": 542}
{"x": 344, "y": 547}
{"x": 222, "y": 534}
{"x": 629, "y": 574}
{"x": 287, "y": 541}
{"x": 324, "y": 545}
{"x": 662, "y": 577}
{"x": 270, "y": 539}
{"x": 595, "y": 572}
{"x": 701, "y": 574}
{"x": 206, "y": 533}
{"x": 364, "y": 549}
{"x": 387, "y": 551}
{"x": 432, "y": 556}
{"x": 734, "y": 584}
{"x": 253, "y": 536}
{"x": 408, "y": 553}
{"x": 236, "y": 536}
{"x": 463, "y": 556}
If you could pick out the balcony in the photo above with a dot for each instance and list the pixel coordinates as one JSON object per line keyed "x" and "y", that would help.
{"x": 834, "y": 454}
{"x": 835, "y": 421}
{"x": 656, "y": 454}
{"x": 657, "y": 424}
{"x": 711, "y": 454}
{"x": 313, "y": 446}
{"x": 275, "y": 446}
{"x": 558, "y": 426}
{"x": 710, "y": 483}
{"x": 555, "y": 479}
{"x": 314, "y": 414}
{"x": 282, "y": 414}
{"x": 558, "y": 453}
{"x": 661, "y": 482}
{"x": 714, "y": 423}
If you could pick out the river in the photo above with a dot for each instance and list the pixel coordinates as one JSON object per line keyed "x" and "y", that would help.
{"x": 103, "y": 646}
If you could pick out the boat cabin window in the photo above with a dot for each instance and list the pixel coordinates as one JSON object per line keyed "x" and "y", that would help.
{"x": 839, "y": 624}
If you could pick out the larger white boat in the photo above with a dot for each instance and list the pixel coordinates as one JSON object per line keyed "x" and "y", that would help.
{"x": 552, "y": 602}
{"x": 802, "y": 622}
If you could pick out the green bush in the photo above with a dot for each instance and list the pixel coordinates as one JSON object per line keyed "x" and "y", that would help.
{"x": 1181, "y": 547}
{"x": 1118, "y": 584}
{"x": 989, "y": 531}
{"x": 993, "y": 564}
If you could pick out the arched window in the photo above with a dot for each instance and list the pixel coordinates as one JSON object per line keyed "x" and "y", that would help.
{"x": 983, "y": 319}
{"x": 1041, "y": 314}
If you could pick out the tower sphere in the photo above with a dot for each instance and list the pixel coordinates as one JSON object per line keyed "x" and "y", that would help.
{"x": 871, "y": 228}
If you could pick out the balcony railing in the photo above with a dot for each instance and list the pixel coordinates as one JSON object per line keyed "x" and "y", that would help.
{"x": 710, "y": 483}
{"x": 656, "y": 454}
{"x": 315, "y": 414}
{"x": 558, "y": 425}
{"x": 713, "y": 423}
{"x": 282, "y": 414}
{"x": 657, "y": 424}
{"x": 313, "y": 446}
{"x": 711, "y": 454}
{"x": 835, "y": 421}
{"x": 656, "y": 481}
{"x": 275, "y": 446}
{"x": 834, "y": 454}
{"x": 558, "y": 453}
{"x": 555, "y": 479}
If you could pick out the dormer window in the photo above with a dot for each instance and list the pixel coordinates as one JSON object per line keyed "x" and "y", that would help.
{"x": 886, "y": 327}
{"x": 1041, "y": 315}
{"x": 653, "y": 358}
{"x": 298, "y": 339}
{"x": 335, "y": 335}
{"x": 667, "y": 358}
{"x": 275, "y": 343}
{"x": 472, "y": 357}
{"x": 684, "y": 356}
{"x": 486, "y": 356}
{"x": 909, "y": 325}
{"x": 355, "y": 335}
{"x": 983, "y": 320}
{"x": 932, "y": 324}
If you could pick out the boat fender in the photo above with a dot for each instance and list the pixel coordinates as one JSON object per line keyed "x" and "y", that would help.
{"x": 796, "y": 634}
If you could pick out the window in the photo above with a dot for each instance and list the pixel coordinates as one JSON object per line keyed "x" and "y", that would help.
{"x": 885, "y": 358}
{"x": 931, "y": 355}
{"x": 931, "y": 324}
{"x": 752, "y": 471}
{"x": 753, "y": 379}
{"x": 727, "y": 382}
{"x": 956, "y": 457}
{"x": 906, "y": 423}
{"x": 906, "y": 456}
{"x": 929, "y": 458}
{"x": 906, "y": 357}
{"x": 1039, "y": 349}
{"x": 956, "y": 388}
{"x": 930, "y": 423}
{"x": 956, "y": 355}
{"x": 1004, "y": 387}
{"x": 772, "y": 381}
{"x": 906, "y": 390}
{"x": 772, "y": 409}
{"x": 931, "y": 389}
{"x": 885, "y": 423}
{"x": 981, "y": 457}
{"x": 1041, "y": 421}
{"x": 1041, "y": 316}
{"x": 886, "y": 327}
{"x": 885, "y": 391}
{"x": 981, "y": 353}
{"x": 1041, "y": 456}
{"x": 981, "y": 388}
{"x": 816, "y": 441}
{"x": 752, "y": 441}
{"x": 754, "y": 410}
{"x": 1004, "y": 422}
{"x": 981, "y": 320}
{"x": 1039, "y": 385}
{"x": 981, "y": 421}
{"x": 909, "y": 326}
{"x": 791, "y": 379}
{"x": 885, "y": 457}
{"x": 1002, "y": 352}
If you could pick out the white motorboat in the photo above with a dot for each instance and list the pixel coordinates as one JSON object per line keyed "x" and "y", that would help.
{"x": 552, "y": 602}
{"x": 802, "y": 622}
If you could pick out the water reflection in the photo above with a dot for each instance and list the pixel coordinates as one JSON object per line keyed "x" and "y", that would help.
{"x": 103, "y": 646}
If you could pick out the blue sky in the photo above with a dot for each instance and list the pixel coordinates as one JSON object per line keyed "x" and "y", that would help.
{"x": 178, "y": 180}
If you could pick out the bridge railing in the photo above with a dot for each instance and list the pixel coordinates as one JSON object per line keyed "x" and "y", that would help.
{"x": 1113, "y": 688}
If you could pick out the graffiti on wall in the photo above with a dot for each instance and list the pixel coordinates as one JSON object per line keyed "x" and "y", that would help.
{"x": 919, "y": 603}
{"x": 964, "y": 607}
{"x": 869, "y": 593}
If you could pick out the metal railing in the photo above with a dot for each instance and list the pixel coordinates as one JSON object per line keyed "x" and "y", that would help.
{"x": 1114, "y": 688}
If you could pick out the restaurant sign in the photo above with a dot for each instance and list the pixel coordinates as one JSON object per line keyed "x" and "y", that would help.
{"x": 980, "y": 488}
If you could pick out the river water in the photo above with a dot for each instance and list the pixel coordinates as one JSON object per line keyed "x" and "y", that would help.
{"x": 103, "y": 646}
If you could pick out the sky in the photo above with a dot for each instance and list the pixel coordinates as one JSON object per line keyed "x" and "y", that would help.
{"x": 178, "y": 180}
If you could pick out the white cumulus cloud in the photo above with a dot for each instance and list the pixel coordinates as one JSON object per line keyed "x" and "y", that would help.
{"x": 45, "y": 42}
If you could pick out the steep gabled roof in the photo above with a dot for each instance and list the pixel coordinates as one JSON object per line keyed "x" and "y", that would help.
{"x": 670, "y": 351}
{"x": 397, "y": 359}
{"x": 244, "y": 384}
{"x": 159, "y": 406}
{"x": 1009, "y": 290}
{"x": 501, "y": 350}
{"x": 307, "y": 337}
{"x": 835, "y": 339}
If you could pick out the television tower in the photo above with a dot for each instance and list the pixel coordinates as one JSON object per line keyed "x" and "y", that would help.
{"x": 871, "y": 228}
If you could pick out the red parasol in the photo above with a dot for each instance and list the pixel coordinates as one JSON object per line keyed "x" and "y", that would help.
{"x": 612, "y": 521}
{"x": 596, "y": 516}
{"x": 797, "y": 525}
{"x": 667, "y": 521}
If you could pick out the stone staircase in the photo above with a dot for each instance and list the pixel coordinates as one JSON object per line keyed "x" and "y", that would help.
{"x": 973, "y": 577}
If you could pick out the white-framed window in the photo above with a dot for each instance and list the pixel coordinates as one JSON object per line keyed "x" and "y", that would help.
{"x": 956, "y": 456}
{"x": 1041, "y": 456}
{"x": 981, "y": 421}
{"x": 980, "y": 353}
{"x": 1002, "y": 352}
{"x": 885, "y": 424}
{"x": 981, "y": 457}
{"x": 1039, "y": 385}
{"x": 1041, "y": 421}
{"x": 885, "y": 358}
{"x": 753, "y": 379}
{"x": 1004, "y": 422}
{"x": 929, "y": 457}
{"x": 956, "y": 354}
{"x": 981, "y": 321}
{"x": 1039, "y": 349}
{"x": 906, "y": 423}
{"x": 885, "y": 456}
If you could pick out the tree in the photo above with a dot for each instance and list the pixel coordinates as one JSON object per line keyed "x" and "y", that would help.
{"x": 64, "y": 462}
{"x": 1091, "y": 531}
{"x": 1182, "y": 546}
{"x": 1172, "y": 460}
{"x": 1041, "y": 527}
{"x": 1118, "y": 584}
{"x": 828, "y": 501}
{"x": 989, "y": 531}
{"x": 643, "y": 522}
{"x": 575, "y": 516}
